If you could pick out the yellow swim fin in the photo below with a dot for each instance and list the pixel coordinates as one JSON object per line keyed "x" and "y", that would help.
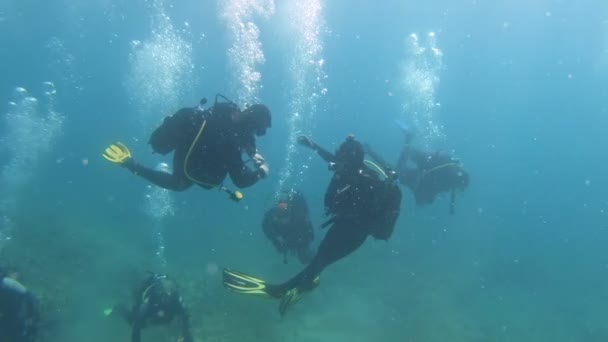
{"x": 117, "y": 153}
{"x": 245, "y": 284}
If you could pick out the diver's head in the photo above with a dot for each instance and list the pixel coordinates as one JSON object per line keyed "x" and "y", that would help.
{"x": 164, "y": 288}
{"x": 282, "y": 212}
{"x": 255, "y": 118}
{"x": 283, "y": 206}
{"x": 349, "y": 155}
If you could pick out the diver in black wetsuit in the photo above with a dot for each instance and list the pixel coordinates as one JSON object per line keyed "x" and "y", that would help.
{"x": 359, "y": 204}
{"x": 287, "y": 224}
{"x": 19, "y": 315}
{"x": 157, "y": 301}
{"x": 428, "y": 174}
{"x": 208, "y": 145}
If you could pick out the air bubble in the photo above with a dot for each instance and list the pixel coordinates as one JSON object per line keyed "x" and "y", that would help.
{"x": 19, "y": 93}
{"x": 49, "y": 88}
{"x": 31, "y": 100}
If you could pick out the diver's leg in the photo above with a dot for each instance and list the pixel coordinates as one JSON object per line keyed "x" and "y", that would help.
{"x": 139, "y": 321}
{"x": 176, "y": 181}
{"x": 305, "y": 253}
{"x": 23, "y": 332}
{"x": 136, "y": 333}
{"x": 342, "y": 239}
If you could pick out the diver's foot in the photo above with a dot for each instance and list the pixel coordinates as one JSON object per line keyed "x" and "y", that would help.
{"x": 294, "y": 295}
{"x": 289, "y": 299}
{"x": 407, "y": 131}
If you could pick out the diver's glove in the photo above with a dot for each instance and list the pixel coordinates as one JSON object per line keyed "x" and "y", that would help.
{"x": 305, "y": 141}
{"x": 258, "y": 159}
{"x": 263, "y": 168}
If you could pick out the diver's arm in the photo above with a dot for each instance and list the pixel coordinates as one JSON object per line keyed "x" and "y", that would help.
{"x": 323, "y": 153}
{"x": 136, "y": 333}
{"x": 391, "y": 208}
{"x": 185, "y": 320}
{"x": 186, "y": 332}
{"x": 267, "y": 226}
{"x": 271, "y": 230}
{"x": 242, "y": 176}
{"x": 32, "y": 313}
{"x": 138, "y": 321}
{"x": 404, "y": 156}
{"x": 27, "y": 314}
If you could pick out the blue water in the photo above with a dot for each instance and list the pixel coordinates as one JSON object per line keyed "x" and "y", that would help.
{"x": 515, "y": 89}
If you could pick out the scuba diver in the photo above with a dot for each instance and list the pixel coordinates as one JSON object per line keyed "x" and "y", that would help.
{"x": 428, "y": 174}
{"x": 359, "y": 203}
{"x": 19, "y": 313}
{"x": 157, "y": 301}
{"x": 287, "y": 224}
{"x": 208, "y": 145}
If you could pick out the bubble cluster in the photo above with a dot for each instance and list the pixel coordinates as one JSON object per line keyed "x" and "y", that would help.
{"x": 161, "y": 69}
{"x": 420, "y": 79}
{"x": 245, "y": 54}
{"x": 158, "y": 206}
{"x": 48, "y": 88}
{"x": 31, "y": 131}
{"x": 62, "y": 65}
{"x": 307, "y": 76}
{"x": 160, "y": 74}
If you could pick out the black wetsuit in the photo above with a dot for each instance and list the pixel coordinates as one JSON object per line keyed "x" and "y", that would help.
{"x": 290, "y": 231}
{"x": 360, "y": 204}
{"x": 216, "y": 154}
{"x": 19, "y": 314}
{"x": 157, "y": 302}
{"x": 431, "y": 173}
